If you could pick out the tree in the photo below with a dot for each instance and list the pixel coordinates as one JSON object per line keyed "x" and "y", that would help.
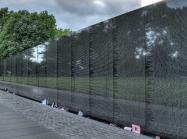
{"x": 21, "y": 30}
{"x": 62, "y": 32}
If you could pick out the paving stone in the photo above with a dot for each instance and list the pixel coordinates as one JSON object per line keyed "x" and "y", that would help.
{"x": 66, "y": 124}
{"x": 14, "y": 125}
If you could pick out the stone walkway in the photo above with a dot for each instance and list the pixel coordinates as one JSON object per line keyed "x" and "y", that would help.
{"x": 50, "y": 120}
{"x": 14, "y": 125}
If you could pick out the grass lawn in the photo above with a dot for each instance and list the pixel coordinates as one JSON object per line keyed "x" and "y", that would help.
{"x": 170, "y": 92}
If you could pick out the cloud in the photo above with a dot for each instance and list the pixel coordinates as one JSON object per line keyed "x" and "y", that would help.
{"x": 102, "y": 7}
{"x": 99, "y": 3}
{"x": 82, "y": 13}
{"x": 75, "y": 14}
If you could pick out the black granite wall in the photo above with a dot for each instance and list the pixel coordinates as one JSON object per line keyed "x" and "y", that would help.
{"x": 131, "y": 69}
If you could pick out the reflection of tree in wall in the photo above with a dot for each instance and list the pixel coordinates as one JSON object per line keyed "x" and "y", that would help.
{"x": 166, "y": 36}
{"x": 158, "y": 30}
{"x": 51, "y": 58}
{"x": 32, "y": 61}
{"x": 130, "y": 43}
{"x": 80, "y": 53}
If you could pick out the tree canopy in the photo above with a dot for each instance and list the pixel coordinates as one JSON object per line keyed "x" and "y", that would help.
{"x": 21, "y": 30}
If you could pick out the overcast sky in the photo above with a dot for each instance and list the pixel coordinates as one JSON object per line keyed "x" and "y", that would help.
{"x": 75, "y": 14}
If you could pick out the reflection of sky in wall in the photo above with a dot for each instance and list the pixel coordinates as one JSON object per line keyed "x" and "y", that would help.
{"x": 77, "y": 14}
{"x": 37, "y": 54}
{"x": 140, "y": 52}
{"x": 153, "y": 36}
{"x": 174, "y": 55}
{"x": 177, "y": 4}
{"x": 41, "y": 50}
{"x": 34, "y": 55}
